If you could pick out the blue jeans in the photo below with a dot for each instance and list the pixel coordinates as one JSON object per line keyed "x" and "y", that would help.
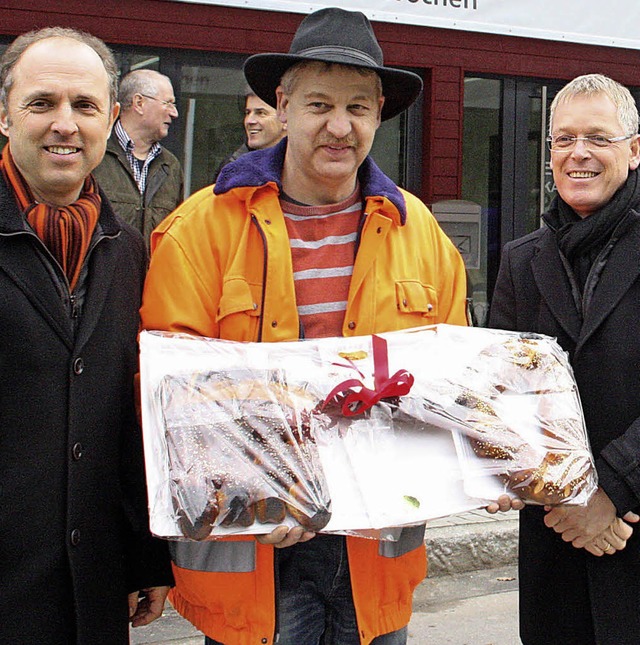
{"x": 394, "y": 638}
{"x": 315, "y": 605}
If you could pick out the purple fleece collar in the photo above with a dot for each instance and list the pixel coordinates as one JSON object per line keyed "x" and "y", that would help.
{"x": 260, "y": 167}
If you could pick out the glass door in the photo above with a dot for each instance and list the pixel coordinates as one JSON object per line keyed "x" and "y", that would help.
{"x": 505, "y": 168}
{"x": 482, "y": 152}
{"x": 527, "y": 185}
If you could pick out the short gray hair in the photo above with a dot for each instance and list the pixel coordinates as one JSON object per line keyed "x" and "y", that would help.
{"x": 592, "y": 84}
{"x": 140, "y": 81}
{"x": 291, "y": 76}
{"x": 15, "y": 50}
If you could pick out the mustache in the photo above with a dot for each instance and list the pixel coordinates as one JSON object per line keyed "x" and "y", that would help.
{"x": 332, "y": 141}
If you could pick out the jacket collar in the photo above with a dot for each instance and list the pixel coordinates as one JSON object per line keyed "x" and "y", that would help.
{"x": 261, "y": 167}
{"x": 36, "y": 281}
{"x": 621, "y": 272}
{"x": 553, "y": 283}
{"x": 113, "y": 145}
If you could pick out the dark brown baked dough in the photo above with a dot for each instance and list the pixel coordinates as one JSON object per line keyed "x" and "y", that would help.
{"x": 241, "y": 451}
{"x": 555, "y": 467}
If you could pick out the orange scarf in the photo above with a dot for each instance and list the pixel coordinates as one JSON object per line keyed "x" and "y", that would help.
{"x": 66, "y": 231}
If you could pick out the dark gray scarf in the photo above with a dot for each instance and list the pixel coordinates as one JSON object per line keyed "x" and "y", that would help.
{"x": 581, "y": 240}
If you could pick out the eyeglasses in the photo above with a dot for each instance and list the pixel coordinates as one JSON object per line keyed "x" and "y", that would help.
{"x": 169, "y": 104}
{"x": 566, "y": 142}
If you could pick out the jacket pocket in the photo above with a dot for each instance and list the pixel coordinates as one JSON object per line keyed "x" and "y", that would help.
{"x": 414, "y": 297}
{"x": 239, "y": 310}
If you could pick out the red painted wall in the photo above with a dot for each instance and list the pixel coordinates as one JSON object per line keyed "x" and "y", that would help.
{"x": 444, "y": 56}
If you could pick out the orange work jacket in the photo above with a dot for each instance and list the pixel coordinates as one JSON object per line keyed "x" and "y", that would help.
{"x": 221, "y": 267}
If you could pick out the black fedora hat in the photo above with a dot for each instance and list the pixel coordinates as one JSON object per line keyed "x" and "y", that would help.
{"x": 334, "y": 36}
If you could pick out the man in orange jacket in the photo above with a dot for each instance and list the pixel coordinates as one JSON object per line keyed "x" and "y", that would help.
{"x": 306, "y": 239}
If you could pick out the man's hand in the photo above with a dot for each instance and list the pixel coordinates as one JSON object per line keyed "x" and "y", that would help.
{"x": 283, "y": 536}
{"x": 147, "y": 605}
{"x": 505, "y": 503}
{"x": 580, "y": 525}
{"x": 613, "y": 538}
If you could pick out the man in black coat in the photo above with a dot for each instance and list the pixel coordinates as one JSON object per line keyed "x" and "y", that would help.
{"x": 77, "y": 562}
{"x": 578, "y": 279}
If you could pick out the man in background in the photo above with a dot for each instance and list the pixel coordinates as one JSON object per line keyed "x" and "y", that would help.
{"x": 261, "y": 125}
{"x": 142, "y": 179}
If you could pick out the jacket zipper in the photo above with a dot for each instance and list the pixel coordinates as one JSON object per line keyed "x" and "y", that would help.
{"x": 71, "y": 305}
{"x": 73, "y": 301}
{"x": 254, "y": 219}
{"x": 276, "y": 568}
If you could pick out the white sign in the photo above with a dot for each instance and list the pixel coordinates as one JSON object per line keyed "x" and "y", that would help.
{"x": 611, "y": 23}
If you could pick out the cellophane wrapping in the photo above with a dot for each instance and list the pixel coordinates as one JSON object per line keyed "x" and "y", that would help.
{"x": 355, "y": 435}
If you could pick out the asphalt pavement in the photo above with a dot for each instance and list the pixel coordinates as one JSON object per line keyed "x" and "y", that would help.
{"x": 469, "y": 597}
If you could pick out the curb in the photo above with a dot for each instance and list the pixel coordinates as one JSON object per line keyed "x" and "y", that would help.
{"x": 470, "y": 547}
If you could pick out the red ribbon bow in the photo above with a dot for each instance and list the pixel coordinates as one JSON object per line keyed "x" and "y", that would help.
{"x": 358, "y": 400}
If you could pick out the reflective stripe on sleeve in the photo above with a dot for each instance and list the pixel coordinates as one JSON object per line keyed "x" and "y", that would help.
{"x": 411, "y": 538}
{"x": 220, "y": 557}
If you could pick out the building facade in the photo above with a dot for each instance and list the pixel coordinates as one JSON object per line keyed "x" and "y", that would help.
{"x": 473, "y": 145}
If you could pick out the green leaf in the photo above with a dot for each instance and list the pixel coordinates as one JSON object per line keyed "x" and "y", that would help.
{"x": 412, "y": 500}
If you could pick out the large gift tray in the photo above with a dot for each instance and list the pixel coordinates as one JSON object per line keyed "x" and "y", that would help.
{"x": 353, "y": 435}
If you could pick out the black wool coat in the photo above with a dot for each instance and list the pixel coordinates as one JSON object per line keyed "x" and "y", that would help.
{"x": 74, "y": 537}
{"x": 567, "y": 596}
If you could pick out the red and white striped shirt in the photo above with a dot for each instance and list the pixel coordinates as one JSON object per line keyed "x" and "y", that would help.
{"x": 323, "y": 246}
